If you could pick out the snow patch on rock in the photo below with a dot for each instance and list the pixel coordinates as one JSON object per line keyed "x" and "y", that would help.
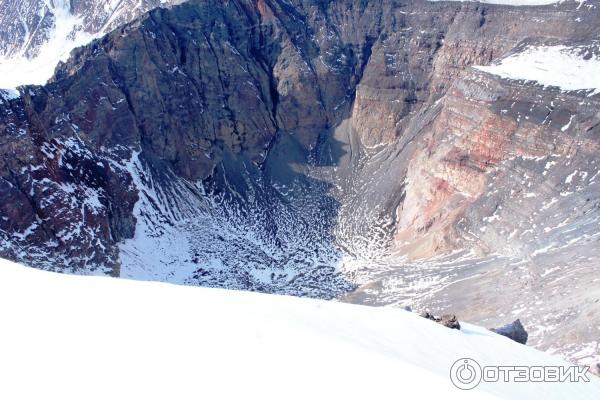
{"x": 35, "y": 52}
{"x": 560, "y": 66}
{"x": 513, "y": 2}
{"x": 9, "y": 94}
{"x": 65, "y": 35}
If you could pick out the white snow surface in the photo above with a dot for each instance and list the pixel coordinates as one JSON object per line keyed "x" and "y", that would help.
{"x": 74, "y": 337}
{"x": 66, "y": 33}
{"x": 63, "y": 38}
{"x": 559, "y": 66}
{"x": 8, "y": 94}
{"x": 513, "y": 2}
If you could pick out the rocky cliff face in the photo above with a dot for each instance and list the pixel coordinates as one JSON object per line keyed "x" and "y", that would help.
{"x": 329, "y": 149}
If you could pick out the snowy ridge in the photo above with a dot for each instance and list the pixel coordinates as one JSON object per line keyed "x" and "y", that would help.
{"x": 37, "y": 35}
{"x": 106, "y": 338}
{"x": 8, "y": 94}
{"x": 521, "y": 3}
{"x": 567, "y": 67}
{"x": 513, "y": 2}
{"x": 63, "y": 37}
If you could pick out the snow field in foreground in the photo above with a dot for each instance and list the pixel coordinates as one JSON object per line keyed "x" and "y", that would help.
{"x": 74, "y": 337}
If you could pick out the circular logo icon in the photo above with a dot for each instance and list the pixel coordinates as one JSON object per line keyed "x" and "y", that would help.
{"x": 465, "y": 373}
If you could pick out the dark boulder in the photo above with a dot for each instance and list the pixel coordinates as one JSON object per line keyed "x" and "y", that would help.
{"x": 514, "y": 331}
{"x": 427, "y": 315}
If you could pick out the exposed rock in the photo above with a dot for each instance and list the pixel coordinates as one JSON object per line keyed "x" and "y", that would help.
{"x": 448, "y": 320}
{"x": 428, "y": 315}
{"x": 514, "y": 331}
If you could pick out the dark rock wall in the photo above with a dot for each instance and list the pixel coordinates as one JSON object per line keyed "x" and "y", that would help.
{"x": 189, "y": 85}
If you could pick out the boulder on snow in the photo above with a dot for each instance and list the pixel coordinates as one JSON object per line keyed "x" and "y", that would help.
{"x": 514, "y": 331}
{"x": 448, "y": 320}
{"x": 427, "y": 315}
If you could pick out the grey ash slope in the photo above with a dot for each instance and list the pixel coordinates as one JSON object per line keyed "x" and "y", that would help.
{"x": 328, "y": 149}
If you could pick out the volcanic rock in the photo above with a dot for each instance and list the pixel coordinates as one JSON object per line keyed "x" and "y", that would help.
{"x": 448, "y": 320}
{"x": 514, "y": 331}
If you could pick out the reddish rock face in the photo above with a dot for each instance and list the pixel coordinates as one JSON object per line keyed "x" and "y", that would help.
{"x": 448, "y": 171}
{"x": 471, "y": 142}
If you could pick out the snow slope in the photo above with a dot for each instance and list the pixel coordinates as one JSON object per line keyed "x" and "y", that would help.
{"x": 73, "y": 337}
{"x": 8, "y": 94}
{"x": 33, "y": 50}
{"x": 512, "y": 2}
{"x": 62, "y": 38}
{"x": 561, "y": 66}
